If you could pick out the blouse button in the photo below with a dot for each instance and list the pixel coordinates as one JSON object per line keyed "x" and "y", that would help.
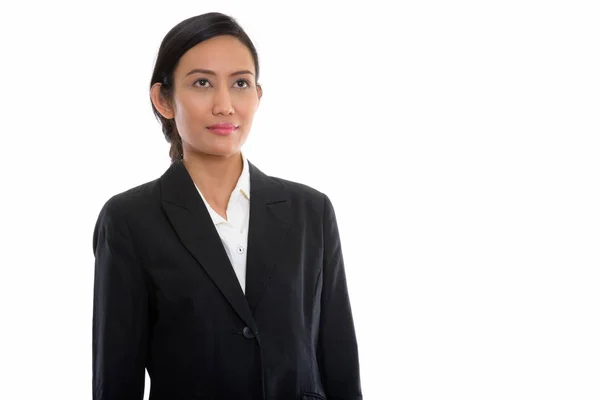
{"x": 240, "y": 249}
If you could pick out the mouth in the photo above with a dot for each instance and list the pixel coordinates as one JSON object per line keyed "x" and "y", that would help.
{"x": 223, "y": 129}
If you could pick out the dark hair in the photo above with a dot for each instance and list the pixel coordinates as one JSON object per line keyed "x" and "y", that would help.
{"x": 176, "y": 42}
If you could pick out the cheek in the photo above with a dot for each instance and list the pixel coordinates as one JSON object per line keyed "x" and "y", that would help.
{"x": 247, "y": 108}
{"x": 192, "y": 107}
{"x": 191, "y": 114}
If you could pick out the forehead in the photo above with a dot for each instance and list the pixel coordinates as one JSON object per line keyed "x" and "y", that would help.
{"x": 222, "y": 54}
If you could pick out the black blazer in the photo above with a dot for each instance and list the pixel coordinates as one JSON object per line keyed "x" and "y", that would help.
{"x": 166, "y": 297}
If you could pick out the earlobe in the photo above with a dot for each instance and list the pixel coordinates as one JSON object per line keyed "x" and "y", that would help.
{"x": 159, "y": 102}
{"x": 260, "y": 91}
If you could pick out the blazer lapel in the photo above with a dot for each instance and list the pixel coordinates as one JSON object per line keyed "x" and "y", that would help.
{"x": 269, "y": 214}
{"x": 194, "y": 227}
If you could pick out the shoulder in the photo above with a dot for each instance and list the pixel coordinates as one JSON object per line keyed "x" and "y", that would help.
{"x": 303, "y": 194}
{"x": 298, "y": 189}
{"x": 116, "y": 212}
{"x": 130, "y": 200}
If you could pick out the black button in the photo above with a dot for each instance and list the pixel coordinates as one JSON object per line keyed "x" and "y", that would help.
{"x": 248, "y": 333}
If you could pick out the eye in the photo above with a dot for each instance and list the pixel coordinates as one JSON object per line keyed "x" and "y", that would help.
{"x": 239, "y": 84}
{"x": 243, "y": 81}
{"x": 200, "y": 80}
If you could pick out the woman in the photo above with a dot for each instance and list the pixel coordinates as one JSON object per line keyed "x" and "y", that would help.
{"x": 221, "y": 281}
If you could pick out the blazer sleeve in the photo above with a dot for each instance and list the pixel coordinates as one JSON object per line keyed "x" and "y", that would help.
{"x": 337, "y": 346}
{"x": 120, "y": 317}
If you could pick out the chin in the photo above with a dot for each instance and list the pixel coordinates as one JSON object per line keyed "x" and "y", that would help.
{"x": 222, "y": 151}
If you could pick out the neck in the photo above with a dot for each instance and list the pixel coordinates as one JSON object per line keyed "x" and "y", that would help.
{"x": 215, "y": 176}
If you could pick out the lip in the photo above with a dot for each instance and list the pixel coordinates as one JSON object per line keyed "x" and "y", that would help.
{"x": 222, "y": 128}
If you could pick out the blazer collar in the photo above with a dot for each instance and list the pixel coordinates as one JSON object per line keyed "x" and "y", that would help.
{"x": 270, "y": 214}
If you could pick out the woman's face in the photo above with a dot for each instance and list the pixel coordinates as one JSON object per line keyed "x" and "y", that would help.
{"x": 214, "y": 82}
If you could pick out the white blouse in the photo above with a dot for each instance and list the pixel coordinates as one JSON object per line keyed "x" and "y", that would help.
{"x": 234, "y": 230}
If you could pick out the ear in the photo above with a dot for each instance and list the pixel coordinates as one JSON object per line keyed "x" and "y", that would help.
{"x": 160, "y": 103}
{"x": 260, "y": 91}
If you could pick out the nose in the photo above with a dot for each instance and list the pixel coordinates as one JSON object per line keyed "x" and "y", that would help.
{"x": 222, "y": 102}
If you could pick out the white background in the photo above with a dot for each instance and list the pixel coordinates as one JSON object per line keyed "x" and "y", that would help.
{"x": 458, "y": 141}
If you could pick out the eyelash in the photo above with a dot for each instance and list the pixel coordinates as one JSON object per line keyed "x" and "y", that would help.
{"x": 239, "y": 80}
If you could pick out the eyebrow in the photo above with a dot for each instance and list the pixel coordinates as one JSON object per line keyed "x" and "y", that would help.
{"x": 209, "y": 72}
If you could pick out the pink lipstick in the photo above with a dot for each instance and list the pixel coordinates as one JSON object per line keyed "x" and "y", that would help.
{"x": 223, "y": 128}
